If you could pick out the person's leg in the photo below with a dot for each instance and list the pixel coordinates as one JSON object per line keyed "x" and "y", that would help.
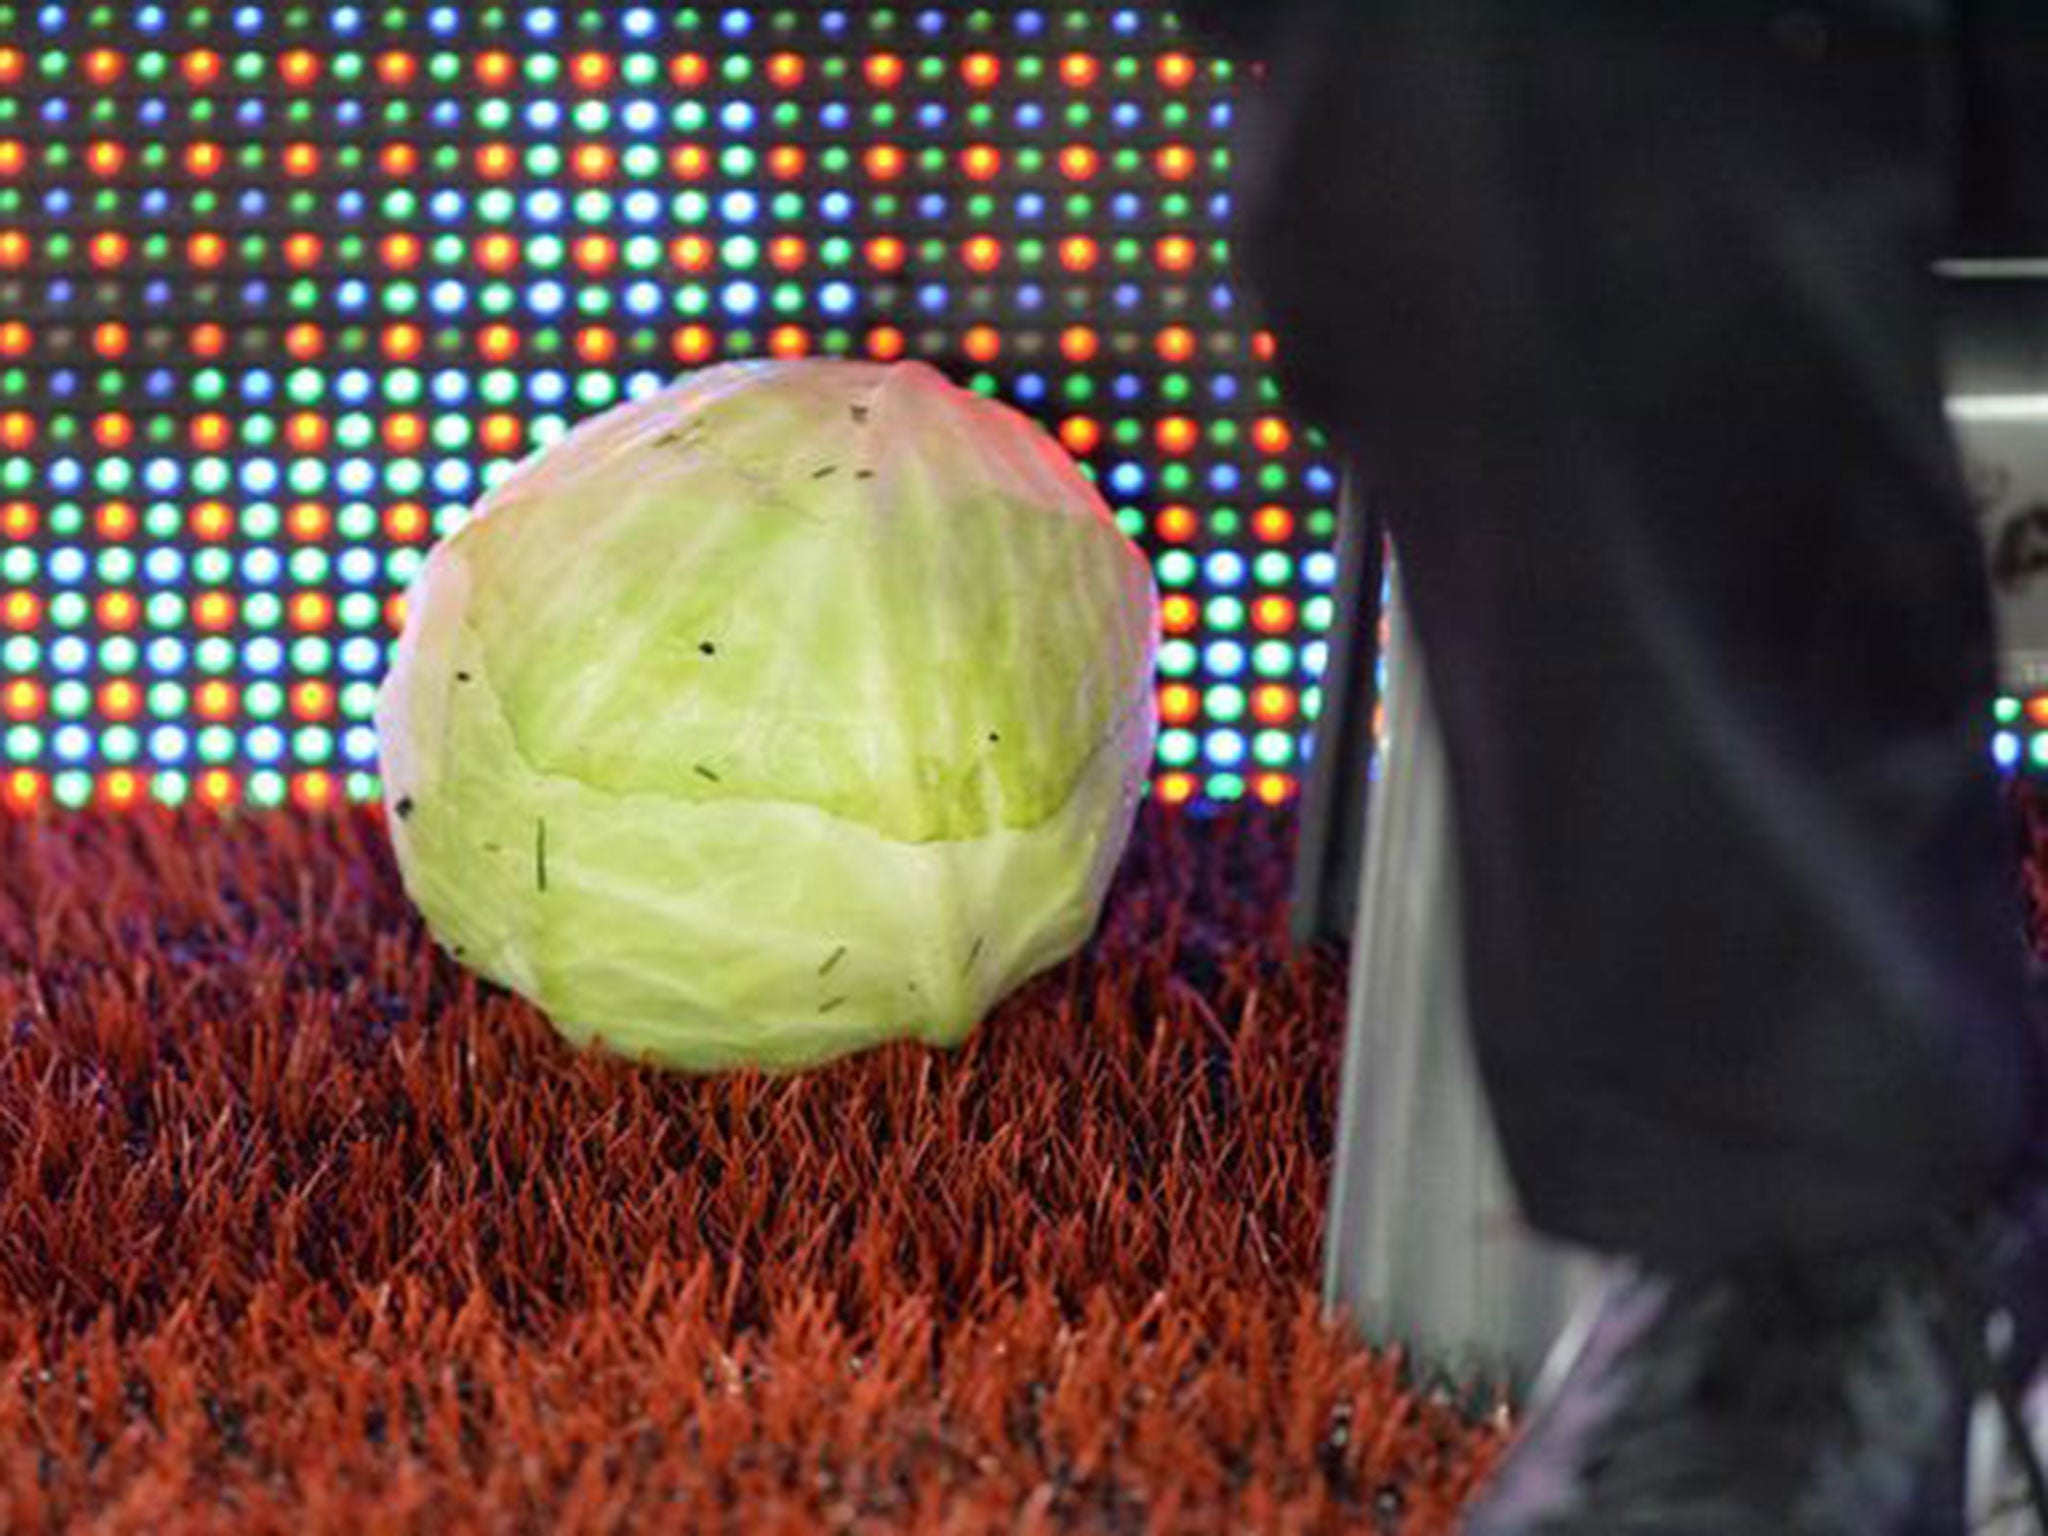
{"x": 1622, "y": 308}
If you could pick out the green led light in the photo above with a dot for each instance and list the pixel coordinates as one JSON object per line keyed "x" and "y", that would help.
{"x": 1224, "y": 521}
{"x": 405, "y": 476}
{"x": 543, "y": 68}
{"x": 19, "y": 565}
{"x": 1177, "y": 658}
{"x": 308, "y": 567}
{"x": 497, "y": 299}
{"x": 263, "y": 700}
{"x": 354, "y": 431}
{"x": 212, "y": 567}
{"x": 1177, "y": 748}
{"x": 2037, "y": 749}
{"x": 1274, "y": 568}
{"x": 1224, "y": 702}
{"x": 359, "y": 610}
{"x": 312, "y": 655}
{"x": 24, "y": 744}
{"x": 641, "y": 162}
{"x": 22, "y": 654}
{"x": 216, "y": 744}
{"x": 403, "y": 386}
{"x": 165, "y": 611}
{"x": 313, "y": 744}
{"x": 70, "y": 700}
{"x": 401, "y": 298}
{"x": 691, "y": 207}
{"x": 168, "y": 701}
{"x": 260, "y": 521}
{"x": 1130, "y": 522}
{"x": 214, "y": 655}
{"x": 737, "y": 161}
{"x": 2006, "y": 711}
{"x": 543, "y": 160}
{"x": 596, "y": 389}
{"x": 689, "y": 116}
{"x": 1176, "y": 568}
{"x": 639, "y": 69}
{"x": 1322, "y": 523}
{"x": 1078, "y": 388}
{"x": 1225, "y": 786}
{"x": 359, "y": 701}
{"x": 262, "y": 610}
{"x": 73, "y": 788}
{"x": 120, "y": 744}
{"x": 170, "y": 787}
{"x": 1316, "y": 613}
{"x": 1127, "y": 433}
{"x": 492, "y": 114}
{"x": 1273, "y": 658}
{"x": 68, "y": 610}
{"x": 266, "y": 787}
{"x": 119, "y": 654}
{"x": 1224, "y": 613}
{"x": 402, "y": 565}
{"x": 592, "y": 302}
{"x": 1273, "y": 749}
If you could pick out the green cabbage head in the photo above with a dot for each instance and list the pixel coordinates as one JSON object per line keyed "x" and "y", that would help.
{"x": 795, "y": 708}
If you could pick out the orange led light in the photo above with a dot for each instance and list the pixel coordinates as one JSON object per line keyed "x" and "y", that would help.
{"x": 593, "y": 162}
{"x": 1273, "y": 524}
{"x": 1177, "y": 524}
{"x": 205, "y": 158}
{"x": 786, "y": 162}
{"x": 306, "y": 432}
{"x": 591, "y": 71}
{"x": 105, "y": 159}
{"x": 118, "y": 610}
{"x": 201, "y": 66}
{"x": 595, "y": 344}
{"x": 884, "y": 162}
{"x": 984, "y": 253}
{"x": 14, "y": 248}
{"x": 396, "y": 68}
{"x": 110, "y": 338}
{"x": 1177, "y": 162}
{"x": 496, "y": 67}
{"x": 1272, "y": 435}
{"x": 405, "y": 432}
{"x": 497, "y": 253}
{"x": 786, "y": 70}
{"x": 103, "y": 66}
{"x": 789, "y": 341}
{"x": 1078, "y": 253}
{"x": 215, "y": 700}
{"x": 694, "y": 343}
{"x": 300, "y": 67}
{"x": 1175, "y": 253}
{"x": 312, "y": 700}
{"x": 401, "y": 252}
{"x": 1078, "y": 71}
{"x": 24, "y": 789}
{"x": 1081, "y": 434}
{"x": 981, "y": 162}
{"x": 121, "y": 787}
{"x": 403, "y": 342}
{"x": 690, "y": 252}
{"x": 886, "y": 253}
{"x": 786, "y": 253}
{"x": 307, "y": 521}
{"x": 213, "y": 611}
{"x": 884, "y": 71}
{"x": 210, "y": 432}
{"x": 22, "y": 699}
{"x": 206, "y": 249}
{"x": 301, "y": 159}
{"x": 983, "y": 343}
{"x": 113, "y": 431}
{"x": 405, "y": 521}
{"x": 689, "y": 70}
{"x": 1079, "y": 344}
{"x": 17, "y": 430}
{"x": 500, "y": 432}
{"x": 19, "y": 519}
{"x": 1178, "y": 613}
{"x": 1176, "y": 71}
{"x": 400, "y": 161}
{"x": 21, "y": 610}
{"x": 13, "y": 157}
{"x": 495, "y": 162}
{"x": 1273, "y": 705}
{"x": 218, "y": 788}
{"x": 212, "y": 521}
{"x": 311, "y": 610}
{"x": 208, "y": 339}
{"x": 1178, "y": 704}
{"x": 15, "y": 338}
{"x": 1078, "y": 162}
{"x": 886, "y": 343}
{"x": 690, "y": 162}
{"x": 595, "y": 254}
{"x": 313, "y": 791}
{"x": 107, "y": 249}
{"x": 302, "y": 250}
{"x": 981, "y": 70}
{"x": 120, "y": 699}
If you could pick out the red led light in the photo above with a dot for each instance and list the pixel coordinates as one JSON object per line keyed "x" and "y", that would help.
{"x": 500, "y": 432}
{"x": 113, "y": 431}
{"x": 405, "y": 521}
{"x": 1176, "y": 71}
{"x": 103, "y": 66}
{"x": 1177, "y": 162}
{"x": 14, "y": 248}
{"x": 786, "y": 162}
{"x": 11, "y": 62}
{"x": 496, "y": 253}
{"x": 105, "y": 159}
{"x": 202, "y": 66}
{"x": 886, "y": 343}
{"x": 981, "y": 70}
{"x": 1273, "y": 524}
{"x": 118, "y": 610}
{"x": 496, "y": 67}
{"x": 1176, "y": 343}
{"x": 311, "y": 610}
{"x": 214, "y": 699}
{"x": 1179, "y": 613}
{"x": 1174, "y": 788}
{"x": 1273, "y": 788}
{"x": 21, "y": 610}
{"x": 405, "y": 432}
{"x": 396, "y": 68}
{"x": 595, "y": 344}
{"x": 1081, "y": 434}
{"x": 494, "y": 162}
{"x": 1079, "y": 344}
{"x": 208, "y": 339}
{"x": 17, "y": 430}
{"x": 694, "y": 343}
{"x": 401, "y": 162}
{"x": 984, "y": 253}
{"x": 210, "y": 431}
{"x": 22, "y": 699}
{"x": 205, "y": 158}
{"x": 690, "y": 162}
{"x": 886, "y": 253}
{"x": 213, "y": 611}
{"x": 1262, "y": 346}
{"x": 1273, "y": 704}
{"x": 1178, "y": 704}
{"x": 312, "y": 700}
{"x": 1078, "y": 162}
{"x": 19, "y": 519}
{"x": 24, "y": 789}
{"x": 595, "y": 254}
{"x": 302, "y": 250}
{"x": 307, "y": 520}
{"x": 1177, "y": 524}
{"x": 120, "y": 699}
{"x": 218, "y": 788}
{"x": 1177, "y": 435}
{"x": 403, "y": 342}
{"x": 1078, "y": 71}
{"x": 789, "y": 341}
{"x": 690, "y": 252}
{"x": 689, "y": 70}
{"x": 884, "y": 162}
{"x": 1078, "y": 253}
{"x": 591, "y": 71}
{"x": 110, "y": 338}
{"x": 12, "y": 157}
{"x": 593, "y": 162}
{"x": 301, "y": 159}
{"x": 313, "y": 791}
{"x": 981, "y": 162}
{"x": 786, "y": 253}
{"x": 306, "y": 433}
{"x": 498, "y": 342}
{"x": 401, "y": 252}
{"x": 304, "y": 341}
{"x": 1272, "y": 435}
{"x": 394, "y": 612}
{"x": 206, "y": 249}
{"x": 884, "y": 71}
{"x": 107, "y": 249}
{"x": 786, "y": 70}
{"x": 983, "y": 343}
{"x": 1273, "y": 615}
{"x": 299, "y": 68}
{"x": 121, "y": 787}
{"x": 1175, "y": 253}
{"x": 212, "y": 521}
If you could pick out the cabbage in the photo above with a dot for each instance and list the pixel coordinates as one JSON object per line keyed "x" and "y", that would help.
{"x": 798, "y": 707}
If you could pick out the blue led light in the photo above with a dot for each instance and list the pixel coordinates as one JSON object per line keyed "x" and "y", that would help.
{"x": 836, "y": 298}
{"x": 739, "y": 207}
{"x": 349, "y": 204}
{"x": 264, "y": 655}
{"x": 546, "y": 297}
{"x": 261, "y": 566}
{"x": 164, "y": 567}
{"x": 835, "y": 115}
{"x": 166, "y": 653}
{"x": 68, "y": 653}
{"x": 151, "y": 112}
{"x": 72, "y": 743}
{"x": 359, "y": 744}
{"x": 1127, "y": 387}
{"x": 449, "y": 297}
{"x": 56, "y": 110}
{"x": 444, "y": 20}
{"x": 932, "y": 115}
{"x": 932, "y": 205}
{"x": 544, "y": 206}
{"x": 1124, "y": 23}
{"x": 1030, "y": 23}
{"x": 361, "y": 656}
{"x": 252, "y": 203}
{"x": 149, "y": 18}
{"x": 833, "y": 21}
{"x": 1224, "y": 478}
{"x": 1031, "y": 205}
{"x": 1318, "y": 479}
{"x": 542, "y": 21}
{"x": 1224, "y": 568}
{"x": 161, "y": 384}
{"x": 735, "y": 23}
{"x": 168, "y": 744}
{"x": 265, "y": 743}
{"x": 250, "y": 113}
{"x": 835, "y": 206}
{"x": 257, "y": 386}
{"x": 57, "y": 201}
{"x": 1127, "y": 479}
{"x": 1221, "y": 115}
{"x": 256, "y": 294}
{"x": 1223, "y": 658}
{"x": 1126, "y": 296}
{"x": 66, "y": 565}
{"x": 1030, "y": 296}
{"x": 643, "y": 298}
{"x": 1030, "y": 387}
{"x": 451, "y": 477}
{"x": 2005, "y": 749}
{"x": 348, "y": 112}
{"x": 353, "y": 386}
{"x": 640, "y": 385}
{"x": 64, "y": 382}
{"x": 447, "y": 205}
{"x": 66, "y": 475}
{"x": 931, "y": 23}
{"x": 543, "y": 114}
{"x": 357, "y": 567}
{"x": 638, "y": 22}
{"x": 1223, "y": 298}
{"x": 642, "y": 207}
{"x": 739, "y": 298}
{"x": 933, "y": 298}
{"x": 1126, "y": 115}
{"x": 548, "y": 387}
{"x": 1223, "y": 387}
{"x": 451, "y": 386}
{"x": 1224, "y": 748}
{"x": 736, "y": 117}
{"x": 345, "y": 19}
{"x": 1030, "y": 116}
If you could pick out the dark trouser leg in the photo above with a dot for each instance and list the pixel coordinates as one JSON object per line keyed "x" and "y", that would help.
{"x": 1622, "y": 309}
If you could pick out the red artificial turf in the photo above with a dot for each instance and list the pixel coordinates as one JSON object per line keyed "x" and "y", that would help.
{"x": 305, "y": 1229}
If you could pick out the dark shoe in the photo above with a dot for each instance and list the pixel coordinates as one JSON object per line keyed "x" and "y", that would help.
{"x": 1801, "y": 1398}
